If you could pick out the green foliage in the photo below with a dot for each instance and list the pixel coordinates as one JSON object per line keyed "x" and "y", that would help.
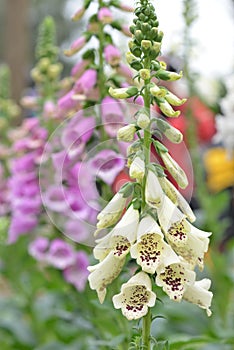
{"x": 46, "y": 42}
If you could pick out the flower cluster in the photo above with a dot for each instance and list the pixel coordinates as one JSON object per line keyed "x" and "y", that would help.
{"x": 156, "y": 229}
{"x": 61, "y": 255}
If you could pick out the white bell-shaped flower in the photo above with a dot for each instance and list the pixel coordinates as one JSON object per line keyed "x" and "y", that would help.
{"x": 199, "y": 294}
{"x": 137, "y": 169}
{"x": 112, "y": 212}
{"x": 150, "y": 250}
{"x": 153, "y": 190}
{"x": 174, "y": 280}
{"x": 103, "y": 273}
{"x": 135, "y": 297}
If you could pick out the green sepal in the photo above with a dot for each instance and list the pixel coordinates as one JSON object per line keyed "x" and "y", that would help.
{"x": 159, "y": 146}
{"x": 127, "y": 189}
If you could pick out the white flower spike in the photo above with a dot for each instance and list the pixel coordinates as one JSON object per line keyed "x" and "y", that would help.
{"x": 135, "y": 297}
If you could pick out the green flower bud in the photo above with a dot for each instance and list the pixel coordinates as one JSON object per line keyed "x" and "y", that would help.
{"x": 160, "y": 36}
{"x": 123, "y": 92}
{"x": 43, "y": 64}
{"x": 145, "y": 27}
{"x": 137, "y": 65}
{"x": 155, "y": 65}
{"x": 144, "y": 74}
{"x": 167, "y": 109}
{"x": 174, "y": 100}
{"x": 129, "y": 57}
{"x": 146, "y": 44}
{"x": 126, "y": 133}
{"x": 157, "y": 92}
{"x": 143, "y": 120}
{"x": 173, "y": 134}
{"x": 156, "y": 47}
{"x": 171, "y": 76}
{"x": 137, "y": 51}
{"x": 138, "y": 35}
{"x": 54, "y": 70}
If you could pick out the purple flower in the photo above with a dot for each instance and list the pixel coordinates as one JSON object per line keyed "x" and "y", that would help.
{"x": 60, "y": 254}
{"x": 20, "y": 224}
{"x": 79, "y": 68}
{"x": 112, "y": 115}
{"x": 26, "y": 163}
{"x": 77, "y": 273}
{"x": 67, "y": 102}
{"x": 86, "y": 82}
{"x": 38, "y": 248}
{"x": 107, "y": 164}
{"x": 75, "y": 138}
{"x": 112, "y": 55}
{"x": 27, "y": 205}
{"x": 76, "y": 46}
{"x": 76, "y": 230}
{"x": 55, "y": 198}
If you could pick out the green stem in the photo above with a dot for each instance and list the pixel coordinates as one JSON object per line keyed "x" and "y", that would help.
{"x": 146, "y": 330}
{"x": 146, "y": 325}
{"x": 147, "y": 134}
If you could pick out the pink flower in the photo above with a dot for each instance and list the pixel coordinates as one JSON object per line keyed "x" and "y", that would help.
{"x": 77, "y": 273}
{"x": 20, "y": 224}
{"x": 112, "y": 115}
{"x": 74, "y": 138}
{"x": 79, "y": 68}
{"x": 112, "y": 55}
{"x": 60, "y": 254}
{"x": 38, "y": 248}
{"x": 49, "y": 110}
{"x": 105, "y": 15}
{"x": 67, "y": 102}
{"x": 55, "y": 198}
{"x": 107, "y": 164}
{"x": 76, "y": 230}
{"x": 86, "y": 82}
{"x": 76, "y": 46}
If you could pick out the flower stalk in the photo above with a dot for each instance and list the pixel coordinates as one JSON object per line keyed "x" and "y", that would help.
{"x": 155, "y": 229}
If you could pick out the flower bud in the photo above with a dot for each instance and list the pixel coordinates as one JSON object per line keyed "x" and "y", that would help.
{"x": 54, "y": 70}
{"x": 78, "y": 14}
{"x": 126, "y": 133}
{"x": 167, "y": 109}
{"x": 123, "y": 92}
{"x": 143, "y": 120}
{"x": 129, "y": 57}
{"x": 138, "y": 35}
{"x": 137, "y": 169}
{"x": 146, "y": 44}
{"x": 157, "y": 92}
{"x": 173, "y": 134}
{"x": 156, "y": 48}
{"x": 105, "y": 15}
{"x": 174, "y": 169}
{"x": 144, "y": 74}
{"x": 43, "y": 64}
{"x": 174, "y": 100}
{"x": 171, "y": 76}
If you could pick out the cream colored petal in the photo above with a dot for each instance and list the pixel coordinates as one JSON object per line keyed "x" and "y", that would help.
{"x": 199, "y": 294}
{"x": 148, "y": 225}
{"x": 135, "y": 297}
{"x": 152, "y": 252}
{"x": 174, "y": 280}
{"x": 153, "y": 190}
{"x": 137, "y": 169}
{"x": 104, "y": 273}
